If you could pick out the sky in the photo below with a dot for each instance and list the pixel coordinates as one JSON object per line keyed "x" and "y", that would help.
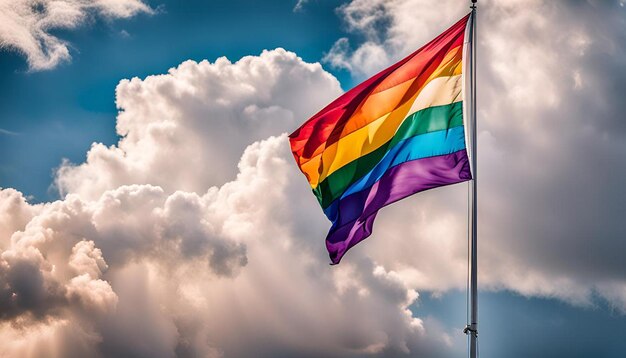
{"x": 150, "y": 207}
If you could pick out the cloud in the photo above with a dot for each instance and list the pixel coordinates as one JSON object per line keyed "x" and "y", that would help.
{"x": 550, "y": 147}
{"x": 390, "y": 30}
{"x": 26, "y": 26}
{"x": 162, "y": 246}
{"x": 8, "y": 132}
{"x": 300, "y": 5}
{"x": 201, "y": 116}
{"x": 203, "y": 274}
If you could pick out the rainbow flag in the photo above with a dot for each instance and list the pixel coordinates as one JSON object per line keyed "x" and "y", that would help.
{"x": 396, "y": 134}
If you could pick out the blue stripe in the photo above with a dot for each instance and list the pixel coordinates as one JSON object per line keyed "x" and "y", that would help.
{"x": 446, "y": 141}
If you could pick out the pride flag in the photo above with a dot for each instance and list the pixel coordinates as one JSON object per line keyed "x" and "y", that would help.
{"x": 396, "y": 134}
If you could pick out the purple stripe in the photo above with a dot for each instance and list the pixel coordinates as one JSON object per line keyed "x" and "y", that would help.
{"x": 356, "y": 213}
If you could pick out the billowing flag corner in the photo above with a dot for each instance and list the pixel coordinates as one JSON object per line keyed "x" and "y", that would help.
{"x": 394, "y": 135}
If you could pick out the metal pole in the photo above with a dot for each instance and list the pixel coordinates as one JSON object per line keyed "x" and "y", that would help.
{"x": 472, "y": 328}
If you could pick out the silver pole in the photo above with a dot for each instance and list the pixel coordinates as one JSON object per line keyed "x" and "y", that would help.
{"x": 472, "y": 328}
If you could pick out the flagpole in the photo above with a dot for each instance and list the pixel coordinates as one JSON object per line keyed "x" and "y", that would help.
{"x": 472, "y": 328}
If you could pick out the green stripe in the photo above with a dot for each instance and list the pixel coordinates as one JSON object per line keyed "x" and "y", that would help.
{"x": 425, "y": 121}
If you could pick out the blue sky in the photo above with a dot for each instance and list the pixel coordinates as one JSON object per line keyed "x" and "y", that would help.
{"x": 102, "y": 55}
{"x": 55, "y": 114}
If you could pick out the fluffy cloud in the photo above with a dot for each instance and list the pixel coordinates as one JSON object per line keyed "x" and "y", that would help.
{"x": 391, "y": 29}
{"x": 193, "y": 274}
{"x": 550, "y": 147}
{"x": 184, "y": 130}
{"x": 26, "y": 25}
{"x": 155, "y": 252}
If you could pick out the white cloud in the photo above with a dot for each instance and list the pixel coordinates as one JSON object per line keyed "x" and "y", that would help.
{"x": 186, "y": 129}
{"x": 392, "y": 29}
{"x": 87, "y": 259}
{"x": 16, "y": 213}
{"x": 176, "y": 259}
{"x": 224, "y": 271}
{"x": 300, "y": 5}
{"x": 26, "y": 25}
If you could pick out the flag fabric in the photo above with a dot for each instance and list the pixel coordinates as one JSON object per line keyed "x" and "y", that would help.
{"x": 396, "y": 134}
